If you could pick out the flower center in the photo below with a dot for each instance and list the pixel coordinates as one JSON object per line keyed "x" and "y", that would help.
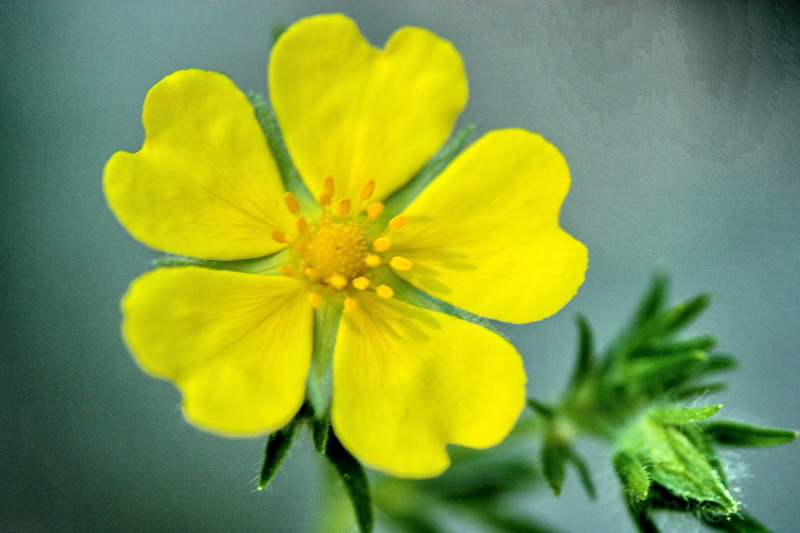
{"x": 333, "y": 255}
{"x": 335, "y": 248}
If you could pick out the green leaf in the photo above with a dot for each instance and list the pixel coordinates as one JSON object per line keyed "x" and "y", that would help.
{"x": 275, "y": 452}
{"x": 682, "y": 415}
{"x": 320, "y": 375}
{"x": 584, "y": 362}
{"x": 355, "y": 481}
{"x": 730, "y": 433}
{"x": 633, "y": 476}
{"x": 276, "y": 30}
{"x": 640, "y": 514}
{"x": 653, "y": 301}
{"x": 738, "y": 523}
{"x": 694, "y": 391}
{"x": 405, "y": 194}
{"x": 683, "y": 314}
{"x": 654, "y": 376}
{"x": 719, "y": 363}
{"x": 554, "y": 464}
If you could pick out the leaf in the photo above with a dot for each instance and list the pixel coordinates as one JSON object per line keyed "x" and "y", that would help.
{"x": 584, "y": 362}
{"x": 275, "y": 452}
{"x": 355, "y": 481}
{"x": 694, "y": 391}
{"x": 633, "y": 476}
{"x": 554, "y": 461}
{"x": 652, "y": 302}
{"x": 682, "y": 415}
{"x": 654, "y": 376}
{"x": 730, "y": 433}
{"x": 682, "y": 314}
{"x": 738, "y": 523}
{"x": 544, "y": 410}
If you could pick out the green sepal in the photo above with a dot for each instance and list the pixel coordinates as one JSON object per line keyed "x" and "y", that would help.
{"x": 267, "y": 265}
{"x": 320, "y": 375}
{"x": 320, "y": 432}
{"x": 682, "y": 415}
{"x": 730, "y": 433}
{"x": 554, "y": 464}
{"x": 292, "y": 181}
{"x": 355, "y": 481}
{"x": 584, "y": 362}
{"x": 403, "y": 196}
{"x": 633, "y": 477}
{"x": 682, "y": 314}
{"x": 583, "y": 474}
{"x": 544, "y": 410}
{"x": 275, "y": 451}
{"x": 653, "y": 376}
{"x": 738, "y": 523}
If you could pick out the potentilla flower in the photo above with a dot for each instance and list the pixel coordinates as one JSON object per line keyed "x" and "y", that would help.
{"x": 236, "y": 335}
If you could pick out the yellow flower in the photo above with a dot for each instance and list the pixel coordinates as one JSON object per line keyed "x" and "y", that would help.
{"x": 358, "y": 122}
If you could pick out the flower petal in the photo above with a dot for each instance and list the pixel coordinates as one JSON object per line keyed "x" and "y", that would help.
{"x": 354, "y": 112}
{"x": 237, "y": 345}
{"x": 484, "y": 236}
{"x": 204, "y": 183}
{"x": 408, "y": 381}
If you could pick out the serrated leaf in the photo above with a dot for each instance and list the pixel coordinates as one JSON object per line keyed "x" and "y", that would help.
{"x": 355, "y": 481}
{"x": 633, "y": 476}
{"x": 275, "y": 451}
{"x": 682, "y": 415}
{"x": 730, "y": 433}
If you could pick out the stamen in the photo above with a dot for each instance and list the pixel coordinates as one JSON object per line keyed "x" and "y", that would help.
{"x": 384, "y": 291}
{"x": 328, "y": 186}
{"x": 374, "y": 210}
{"x": 337, "y": 281}
{"x": 325, "y": 199}
{"x": 372, "y": 261}
{"x": 278, "y": 236}
{"x": 381, "y": 244}
{"x": 302, "y": 225}
{"x": 314, "y": 299}
{"x": 367, "y": 189}
{"x": 343, "y": 207}
{"x": 291, "y": 203}
{"x": 401, "y": 263}
{"x": 350, "y": 304}
{"x": 311, "y": 274}
{"x": 287, "y": 270}
{"x": 361, "y": 283}
{"x": 397, "y": 222}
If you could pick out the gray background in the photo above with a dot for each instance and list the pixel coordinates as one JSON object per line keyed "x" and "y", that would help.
{"x": 679, "y": 120}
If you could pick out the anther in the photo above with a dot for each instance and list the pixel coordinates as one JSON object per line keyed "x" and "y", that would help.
{"x": 286, "y": 270}
{"x": 350, "y": 304}
{"x": 343, "y": 206}
{"x": 311, "y": 274}
{"x": 314, "y": 299}
{"x": 328, "y": 186}
{"x": 397, "y": 222}
{"x": 367, "y": 189}
{"x": 337, "y": 281}
{"x": 302, "y": 225}
{"x": 325, "y": 199}
{"x": 374, "y": 210}
{"x": 384, "y": 291}
{"x": 372, "y": 261}
{"x": 361, "y": 283}
{"x": 291, "y": 202}
{"x": 400, "y": 263}
{"x": 278, "y": 236}
{"x": 381, "y": 244}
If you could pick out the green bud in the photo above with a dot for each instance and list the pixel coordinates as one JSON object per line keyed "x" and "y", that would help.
{"x": 633, "y": 476}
